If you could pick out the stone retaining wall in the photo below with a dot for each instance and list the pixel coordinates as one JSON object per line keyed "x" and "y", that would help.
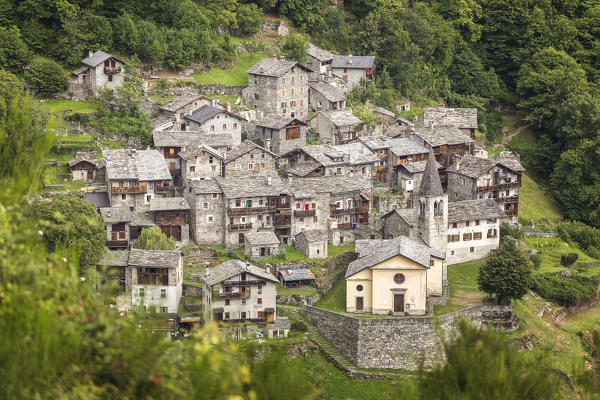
{"x": 399, "y": 343}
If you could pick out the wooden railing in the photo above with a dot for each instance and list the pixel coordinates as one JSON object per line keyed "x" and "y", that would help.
{"x": 304, "y": 213}
{"x": 250, "y": 210}
{"x": 135, "y": 189}
{"x": 230, "y": 295}
{"x": 511, "y": 199}
{"x": 240, "y": 227}
{"x": 113, "y": 70}
{"x": 346, "y": 225}
{"x": 244, "y": 283}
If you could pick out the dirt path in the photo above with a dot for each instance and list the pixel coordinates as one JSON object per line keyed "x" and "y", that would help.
{"x": 507, "y": 137}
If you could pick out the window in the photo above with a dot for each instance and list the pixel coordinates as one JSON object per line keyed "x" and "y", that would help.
{"x": 192, "y": 169}
{"x": 110, "y": 78}
{"x": 235, "y": 125}
{"x": 250, "y": 166}
{"x": 151, "y": 184}
{"x": 210, "y": 159}
{"x": 238, "y": 202}
{"x": 431, "y": 262}
{"x": 292, "y": 89}
{"x": 227, "y": 302}
{"x": 339, "y": 171}
{"x": 224, "y": 126}
{"x": 243, "y": 276}
{"x": 209, "y": 219}
{"x": 399, "y": 278}
{"x": 212, "y": 128}
{"x": 259, "y": 289}
{"x": 345, "y": 70}
{"x": 455, "y": 225}
{"x": 315, "y": 218}
{"x": 259, "y": 300}
{"x": 260, "y": 314}
{"x": 359, "y": 288}
{"x": 472, "y": 249}
{"x": 251, "y": 155}
{"x": 467, "y": 237}
{"x": 213, "y": 168}
{"x": 467, "y": 223}
{"x": 152, "y": 276}
{"x": 163, "y": 293}
{"x": 164, "y": 309}
{"x": 283, "y": 92}
{"x": 214, "y": 195}
{"x": 123, "y": 197}
{"x": 141, "y": 292}
{"x": 301, "y": 103}
{"x": 226, "y": 315}
{"x": 283, "y": 105}
{"x": 453, "y": 238}
{"x": 256, "y": 97}
{"x": 491, "y": 220}
{"x": 301, "y": 91}
{"x": 476, "y": 222}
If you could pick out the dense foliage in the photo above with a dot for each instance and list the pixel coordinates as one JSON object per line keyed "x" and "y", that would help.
{"x": 154, "y": 239}
{"x": 46, "y": 77}
{"x": 565, "y": 290}
{"x": 585, "y": 236}
{"x": 506, "y": 273}
{"x": 68, "y": 221}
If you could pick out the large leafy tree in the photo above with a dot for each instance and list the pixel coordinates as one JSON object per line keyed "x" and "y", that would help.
{"x": 14, "y": 54}
{"x": 68, "y": 221}
{"x": 46, "y": 77}
{"x": 294, "y": 47}
{"x": 506, "y": 273}
{"x": 154, "y": 239}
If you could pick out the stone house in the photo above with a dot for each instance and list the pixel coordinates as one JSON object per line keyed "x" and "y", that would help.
{"x": 279, "y": 329}
{"x": 278, "y": 87}
{"x": 214, "y": 120}
{"x": 318, "y": 60}
{"x": 325, "y": 160}
{"x": 100, "y": 70}
{"x": 116, "y": 222}
{"x": 353, "y": 69}
{"x": 200, "y": 162}
{"x": 297, "y": 276}
{"x": 324, "y": 97}
{"x": 471, "y": 177}
{"x": 134, "y": 177}
{"x": 465, "y": 119}
{"x": 170, "y": 144}
{"x": 239, "y": 291}
{"x": 83, "y": 169}
{"x": 397, "y": 277}
{"x": 313, "y": 243}
{"x": 183, "y": 105}
{"x": 261, "y": 244}
{"x": 409, "y": 178}
{"x": 336, "y": 126}
{"x": 207, "y": 212}
{"x": 171, "y": 215}
{"x": 157, "y": 277}
{"x": 384, "y": 117}
{"x": 250, "y": 159}
{"x": 114, "y": 267}
{"x": 281, "y": 134}
{"x": 473, "y": 229}
{"x": 446, "y": 142}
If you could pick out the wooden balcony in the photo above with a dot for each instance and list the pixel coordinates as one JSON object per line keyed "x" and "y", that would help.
{"x": 239, "y": 227}
{"x": 135, "y": 189}
{"x": 339, "y": 211}
{"x": 112, "y": 71}
{"x": 304, "y": 213}
{"x": 245, "y": 283}
{"x": 162, "y": 188}
{"x": 230, "y": 295}
{"x": 250, "y": 210}
{"x": 346, "y": 225}
{"x": 511, "y": 199}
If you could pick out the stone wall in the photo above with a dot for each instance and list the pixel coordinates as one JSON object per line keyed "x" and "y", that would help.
{"x": 399, "y": 343}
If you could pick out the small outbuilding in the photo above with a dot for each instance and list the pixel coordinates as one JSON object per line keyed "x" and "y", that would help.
{"x": 261, "y": 244}
{"x": 83, "y": 169}
{"x": 313, "y": 243}
{"x": 279, "y": 329}
{"x": 296, "y": 277}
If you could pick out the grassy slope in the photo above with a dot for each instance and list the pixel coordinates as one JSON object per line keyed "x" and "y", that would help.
{"x": 335, "y": 299}
{"x": 535, "y": 203}
{"x": 61, "y": 106}
{"x": 234, "y": 76}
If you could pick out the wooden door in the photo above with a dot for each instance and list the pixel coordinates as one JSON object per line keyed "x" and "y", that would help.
{"x": 113, "y": 235}
{"x": 90, "y": 175}
{"x": 270, "y": 318}
{"x": 84, "y": 79}
{"x": 359, "y": 304}
{"x": 398, "y": 303}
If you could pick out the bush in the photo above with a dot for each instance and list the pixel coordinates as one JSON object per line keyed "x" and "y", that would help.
{"x": 524, "y": 221}
{"x": 567, "y": 260}
{"x": 299, "y": 327}
{"x": 536, "y": 260}
{"x": 511, "y": 231}
{"x": 565, "y": 290}
{"x": 586, "y": 236}
{"x": 46, "y": 77}
{"x": 123, "y": 122}
{"x": 154, "y": 239}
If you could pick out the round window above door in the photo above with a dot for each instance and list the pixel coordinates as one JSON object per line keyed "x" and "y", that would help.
{"x": 359, "y": 288}
{"x": 399, "y": 278}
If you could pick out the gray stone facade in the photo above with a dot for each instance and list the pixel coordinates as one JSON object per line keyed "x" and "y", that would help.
{"x": 399, "y": 343}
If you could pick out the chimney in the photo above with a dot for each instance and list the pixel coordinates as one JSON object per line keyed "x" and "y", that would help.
{"x": 90, "y": 53}
{"x": 213, "y": 102}
{"x": 108, "y": 213}
{"x": 228, "y": 107}
{"x": 269, "y": 180}
{"x": 350, "y": 59}
{"x": 456, "y": 161}
{"x": 268, "y": 268}
{"x": 289, "y": 177}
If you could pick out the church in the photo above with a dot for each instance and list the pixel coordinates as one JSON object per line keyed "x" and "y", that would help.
{"x": 405, "y": 272}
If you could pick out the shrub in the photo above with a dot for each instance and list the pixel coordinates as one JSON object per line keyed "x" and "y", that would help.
{"x": 123, "y": 122}
{"x": 568, "y": 259}
{"x": 510, "y": 230}
{"x": 536, "y": 260}
{"x": 46, "y": 77}
{"x": 154, "y": 239}
{"x": 524, "y": 221}
{"x": 298, "y": 327}
{"x": 565, "y": 290}
{"x": 586, "y": 236}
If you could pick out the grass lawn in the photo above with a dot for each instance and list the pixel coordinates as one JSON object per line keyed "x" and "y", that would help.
{"x": 526, "y": 139}
{"x": 225, "y": 98}
{"x": 306, "y": 291}
{"x": 233, "y": 76}
{"x": 335, "y": 299}
{"x": 335, "y": 250}
{"x": 160, "y": 100}
{"x": 535, "y": 203}
{"x": 61, "y": 106}
{"x": 552, "y": 249}
{"x": 462, "y": 280}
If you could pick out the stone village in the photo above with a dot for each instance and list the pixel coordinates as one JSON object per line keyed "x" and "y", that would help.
{"x": 413, "y": 197}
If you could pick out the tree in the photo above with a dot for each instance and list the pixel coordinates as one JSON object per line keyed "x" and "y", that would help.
{"x": 46, "y": 77}
{"x": 483, "y": 364}
{"x": 506, "y": 273}
{"x": 249, "y": 17}
{"x": 14, "y": 54}
{"x": 10, "y": 88}
{"x": 154, "y": 239}
{"x": 71, "y": 222}
{"x": 131, "y": 91}
{"x": 295, "y": 46}
{"x": 545, "y": 81}
{"x": 566, "y": 260}
{"x": 364, "y": 113}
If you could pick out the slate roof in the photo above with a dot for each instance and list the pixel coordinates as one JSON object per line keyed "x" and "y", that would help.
{"x": 382, "y": 250}
{"x": 416, "y": 167}
{"x": 142, "y": 165}
{"x": 469, "y": 210}
{"x": 275, "y": 121}
{"x": 465, "y": 118}
{"x": 175, "y": 138}
{"x": 168, "y": 204}
{"x": 334, "y": 184}
{"x": 115, "y": 258}
{"x": 203, "y": 114}
{"x": 381, "y": 110}
{"x": 113, "y": 215}
{"x": 204, "y": 186}
{"x": 192, "y": 150}
{"x": 341, "y": 117}
{"x": 80, "y": 70}
{"x": 272, "y": 67}
{"x": 406, "y": 147}
{"x": 97, "y": 58}
{"x": 361, "y": 62}
{"x": 181, "y": 101}
{"x": 376, "y": 142}
{"x": 244, "y": 148}
{"x": 351, "y": 153}
{"x": 431, "y": 185}
{"x": 99, "y": 199}
{"x": 235, "y": 187}
{"x": 441, "y": 135}
{"x": 328, "y": 91}
{"x": 297, "y": 274}
{"x": 409, "y": 215}
{"x": 302, "y": 169}
{"x": 154, "y": 258}
{"x": 80, "y": 158}
{"x": 314, "y": 235}
{"x": 319, "y": 53}
{"x": 472, "y": 166}
{"x": 511, "y": 163}
{"x": 232, "y": 268}
{"x": 281, "y": 323}
{"x": 142, "y": 217}
{"x": 261, "y": 237}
